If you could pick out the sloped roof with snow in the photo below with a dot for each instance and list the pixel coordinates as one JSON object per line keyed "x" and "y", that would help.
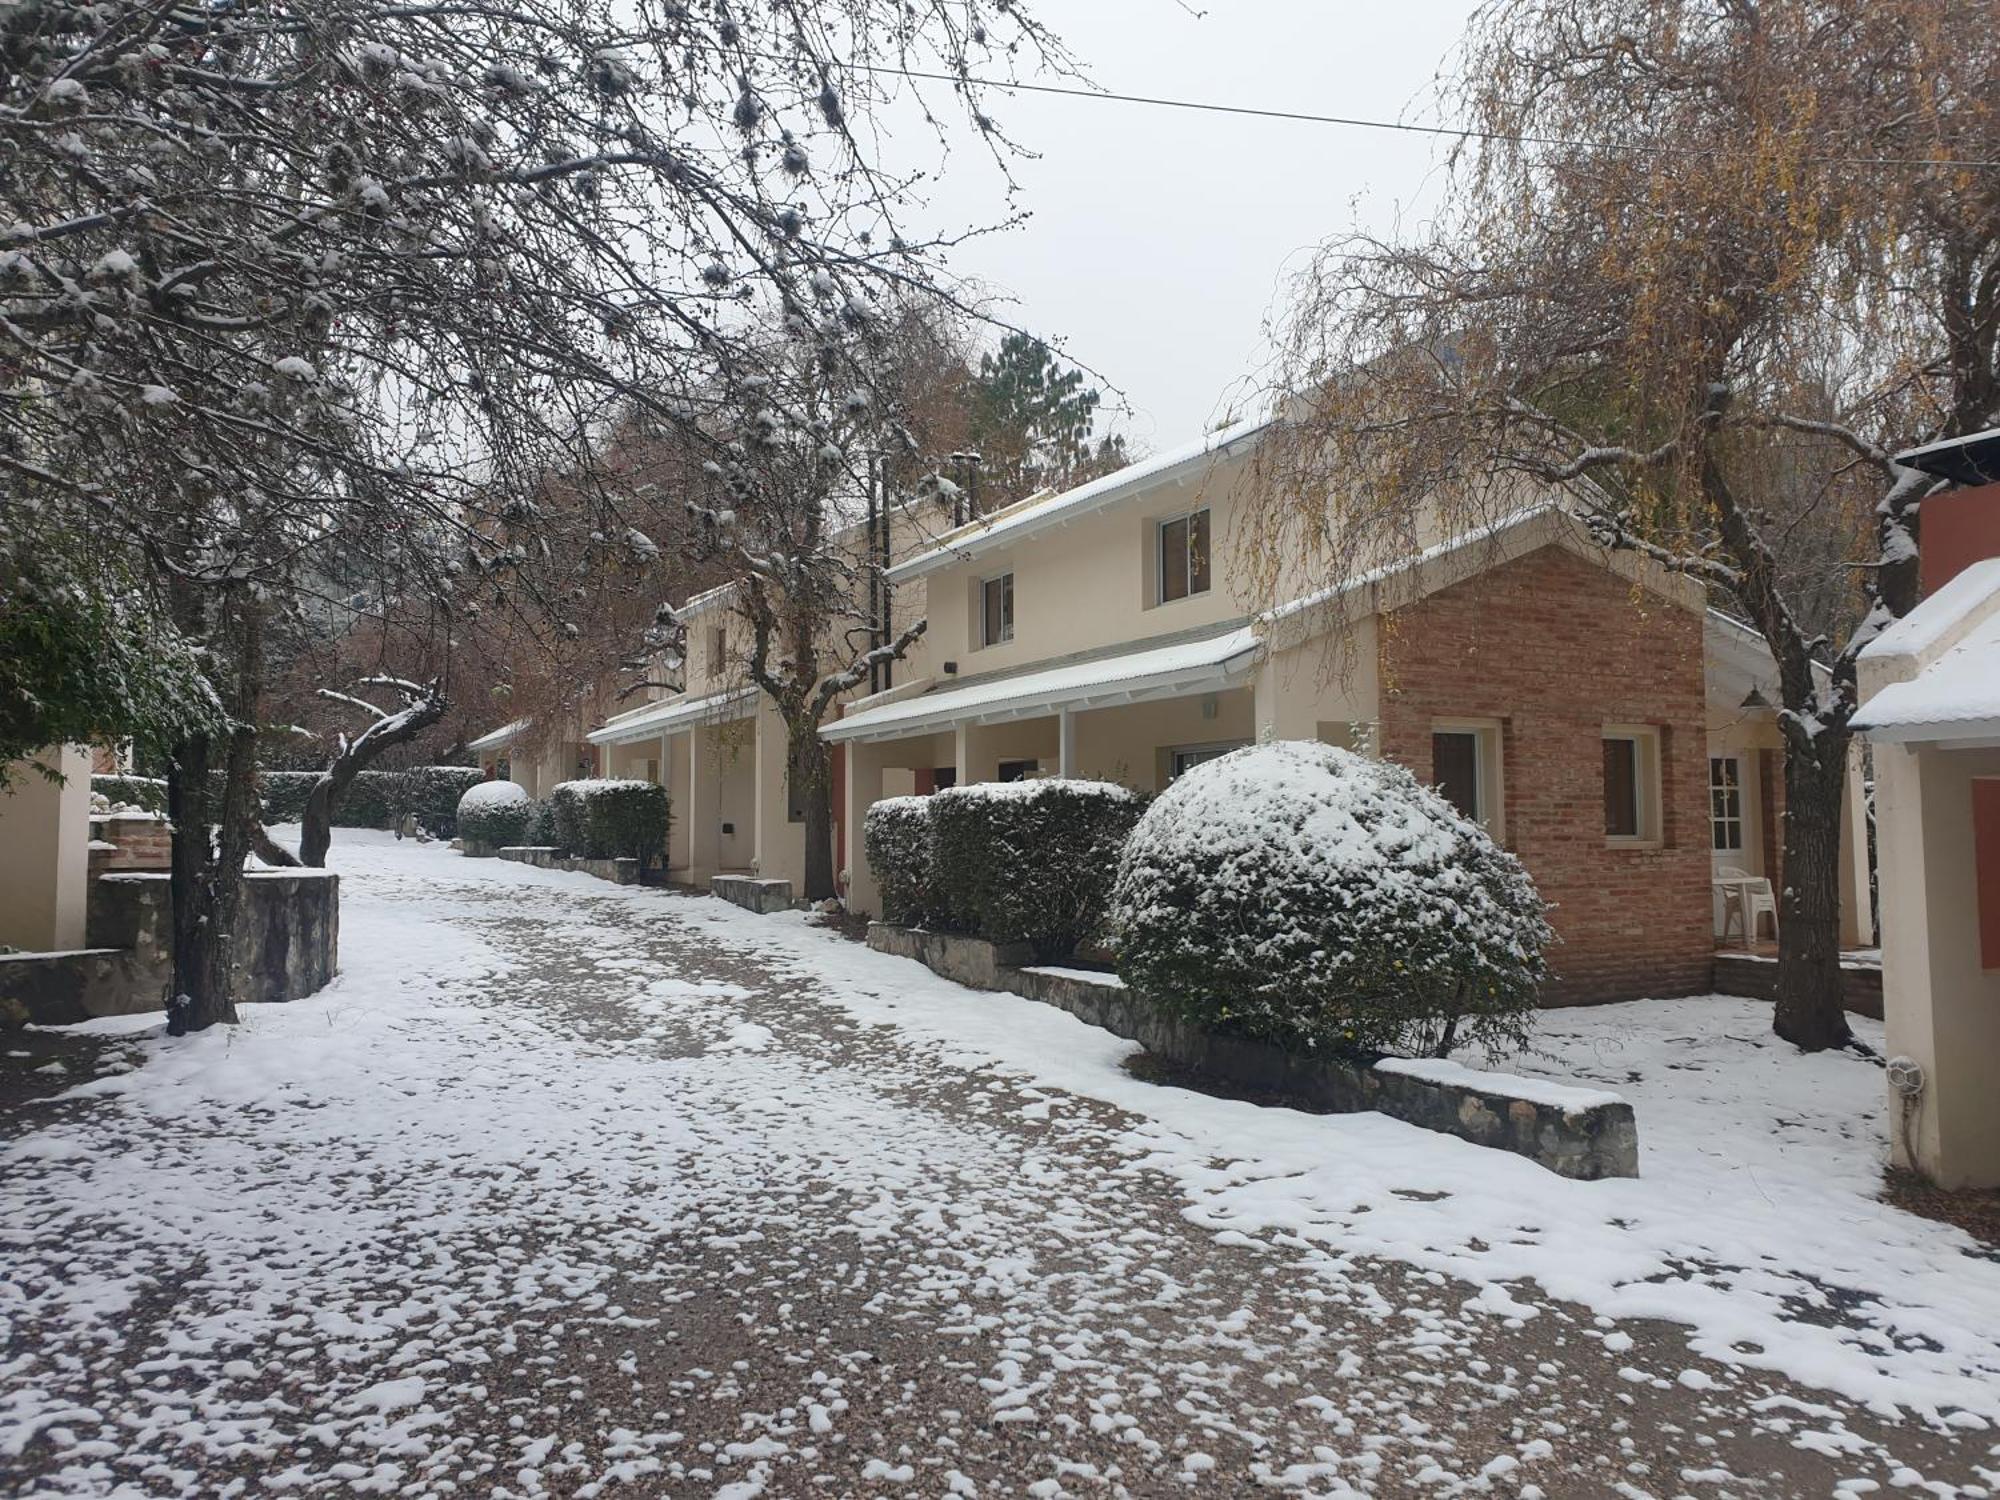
{"x": 1032, "y": 517}
{"x": 499, "y": 739}
{"x": 670, "y": 715}
{"x": 1952, "y": 642}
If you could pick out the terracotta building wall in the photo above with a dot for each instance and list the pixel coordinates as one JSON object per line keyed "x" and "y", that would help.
{"x": 1556, "y": 648}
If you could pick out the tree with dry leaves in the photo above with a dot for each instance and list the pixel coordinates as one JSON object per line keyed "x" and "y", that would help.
{"x": 1703, "y": 268}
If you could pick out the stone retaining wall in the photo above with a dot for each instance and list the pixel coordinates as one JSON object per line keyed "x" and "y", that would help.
{"x": 1577, "y": 1133}
{"x": 752, "y": 893}
{"x": 617, "y": 871}
{"x": 287, "y": 947}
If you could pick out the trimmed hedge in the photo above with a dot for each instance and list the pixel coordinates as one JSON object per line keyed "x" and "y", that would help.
{"x": 1314, "y": 898}
{"x": 896, "y": 835}
{"x": 494, "y": 813}
{"x": 1030, "y": 861}
{"x": 541, "y": 830}
{"x": 604, "y": 818}
{"x": 432, "y": 794}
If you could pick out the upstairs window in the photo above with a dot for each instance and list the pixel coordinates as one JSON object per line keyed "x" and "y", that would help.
{"x": 717, "y": 651}
{"x": 996, "y": 609}
{"x": 1184, "y": 556}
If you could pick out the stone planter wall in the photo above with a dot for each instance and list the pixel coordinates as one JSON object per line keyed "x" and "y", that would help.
{"x": 617, "y": 871}
{"x": 287, "y": 947}
{"x": 753, "y": 893}
{"x": 1577, "y": 1133}
{"x": 969, "y": 960}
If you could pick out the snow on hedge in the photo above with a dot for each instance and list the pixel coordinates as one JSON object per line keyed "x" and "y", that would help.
{"x": 598, "y": 786}
{"x": 1316, "y": 898}
{"x": 492, "y": 794}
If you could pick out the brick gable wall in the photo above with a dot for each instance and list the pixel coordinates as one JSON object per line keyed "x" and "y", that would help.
{"x": 1556, "y": 648}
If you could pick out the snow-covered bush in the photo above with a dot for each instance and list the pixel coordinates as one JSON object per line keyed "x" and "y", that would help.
{"x": 1030, "y": 861}
{"x": 432, "y": 794}
{"x": 897, "y": 837}
{"x": 604, "y": 818}
{"x": 541, "y": 830}
{"x": 146, "y": 792}
{"x": 494, "y": 814}
{"x": 1318, "y": 899}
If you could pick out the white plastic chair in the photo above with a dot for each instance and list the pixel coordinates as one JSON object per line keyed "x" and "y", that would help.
{"x": 1746, "y": 900}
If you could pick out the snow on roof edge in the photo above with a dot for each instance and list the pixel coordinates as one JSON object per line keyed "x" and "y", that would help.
{"x": 1029, "y": 517}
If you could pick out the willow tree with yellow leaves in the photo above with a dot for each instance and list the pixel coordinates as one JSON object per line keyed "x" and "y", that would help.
{"x": 1701, "y": 269}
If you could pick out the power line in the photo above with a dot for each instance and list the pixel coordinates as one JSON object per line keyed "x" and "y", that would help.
{"x": 1357, "y": 122}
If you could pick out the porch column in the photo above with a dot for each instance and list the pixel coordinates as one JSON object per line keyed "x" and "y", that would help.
{"x": 1065, "y": 743}
{"x": 861, "y": 788}
{"x": 962, "y": 753}
{"x": 704, "y": 827}
{"x": 675, "y": 775}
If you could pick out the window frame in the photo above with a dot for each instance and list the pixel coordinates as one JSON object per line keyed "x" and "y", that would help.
{"x": 1160, "y": 525}
{"x": 1648, "y": 819}
{"x": 1718, "y": 817}
{"x": 987, "y": 581}
{"x": 1489, "y": 768}
{"x": 1208, "y": 750}
{"x": 718, "y": 651}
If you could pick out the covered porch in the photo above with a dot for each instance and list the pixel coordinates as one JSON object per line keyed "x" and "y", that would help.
{"x": 1138, "y": 717}
{"x": 702, "y": 750}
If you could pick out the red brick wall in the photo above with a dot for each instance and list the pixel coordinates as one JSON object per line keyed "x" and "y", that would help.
{"x": 144, "y": 843}
{"x": 1556, "y": 648}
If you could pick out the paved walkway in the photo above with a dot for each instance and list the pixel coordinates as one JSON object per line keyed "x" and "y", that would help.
{"x": 615, "y": 1208}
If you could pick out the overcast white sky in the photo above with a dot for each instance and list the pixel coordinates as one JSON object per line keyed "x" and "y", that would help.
{"x": 1160, "y": 238}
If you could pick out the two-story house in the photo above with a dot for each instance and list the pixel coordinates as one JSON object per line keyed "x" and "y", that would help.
{"x": 1557, "y": 692}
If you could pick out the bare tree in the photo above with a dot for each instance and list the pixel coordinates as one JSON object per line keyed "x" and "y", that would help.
{"x": 790, "y": 491}
{"x": 292, "y": 291}
{"x": 1707, "y": 265}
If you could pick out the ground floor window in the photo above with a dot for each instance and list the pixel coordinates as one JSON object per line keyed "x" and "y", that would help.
{"x": 1017, "y": 770}
{"x": 1465, "y": 768}
{"x": 1631, "y": 784}
{"x": 1185, "y": 758}
{"x": 943, "y": 777}
{"x": 1725, "y": 803}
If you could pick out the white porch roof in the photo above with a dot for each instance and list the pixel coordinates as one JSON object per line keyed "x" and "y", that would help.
{"x": 1199, "y": 666}
{"x": 499, "y": 739}
{"x": 671, "y": 715}
{"x": 1953, "y": 641}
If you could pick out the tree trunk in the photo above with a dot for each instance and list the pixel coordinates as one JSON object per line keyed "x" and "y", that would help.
{"x": 316, "y": 822}
{"x": 206, "y": 870}
{"x": 1809, "y": 1012}
{"x": 812, "y": 766}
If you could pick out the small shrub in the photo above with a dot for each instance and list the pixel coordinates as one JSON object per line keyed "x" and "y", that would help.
{"x": 1030, "y": 861}
{"x": 1314, "y": 898}
{"x": 605, "y": 818}
{"x": 370, "y": 800}
{"x": 494, "y": 813}
{"x": 896, "y": 835}
{"x": 432, "y": 793}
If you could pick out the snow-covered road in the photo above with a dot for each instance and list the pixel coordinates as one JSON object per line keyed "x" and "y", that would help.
{"x": 563, "y": 1189}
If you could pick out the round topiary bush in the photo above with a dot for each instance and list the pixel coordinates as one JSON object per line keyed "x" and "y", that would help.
{"x": 1029, "y": 861}
{"x": 607, "y": 818}
{"x": 493, "y": 815}
{"x": 896, "y": 834}
{"x": 1314, "y": 898}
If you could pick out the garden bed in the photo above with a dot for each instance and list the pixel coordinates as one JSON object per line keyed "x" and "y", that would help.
{"x": 1586, "y": 1134}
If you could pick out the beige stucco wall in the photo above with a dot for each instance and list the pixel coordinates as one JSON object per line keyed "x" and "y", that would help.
{"x": 45, "y": 853}
{"x": 1942, "y": 1009}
